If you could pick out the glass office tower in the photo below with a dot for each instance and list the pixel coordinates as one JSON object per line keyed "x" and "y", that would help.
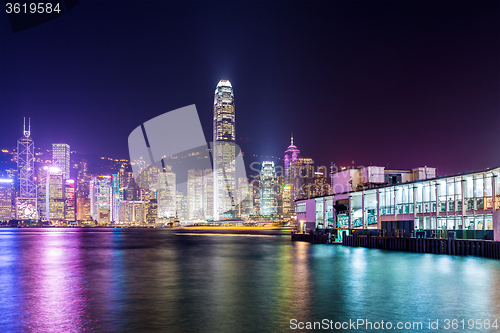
{"x": 224, "y": 151}
{"x": 61, "y": 158}
{"x": 268, "y": 189}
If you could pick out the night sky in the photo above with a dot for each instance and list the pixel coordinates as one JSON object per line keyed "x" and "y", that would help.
{"x": 395, "y": 83}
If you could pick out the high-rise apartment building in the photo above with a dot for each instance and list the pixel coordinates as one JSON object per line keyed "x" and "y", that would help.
{"x": 268, "y": 189}
{"x": 224, "y": 150}
{"x": 61, "y": 158}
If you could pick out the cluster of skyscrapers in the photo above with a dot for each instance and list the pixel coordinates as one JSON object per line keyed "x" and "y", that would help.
{"x": 43, "y": 191}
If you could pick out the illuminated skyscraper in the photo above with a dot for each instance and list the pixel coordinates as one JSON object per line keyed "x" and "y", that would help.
{"x": 291, "y": 155}
{"x": 150, "y": 206}
{"x": 303, "y": 173}
{"x": 287, "y": 198}
{"x": 181, "y": 207}
{"x": 224, "y": 150}
{"x": 61, "y": 158}
{"x": 195, "y": 194}
{"x": 255, "y": 188}
{"x": 288, "y": 195}
{"x": 69, "y": 200}
{"x": 6, "y": 192}
{"x": 101, "y": 199}
{"x": 166, "y": 195}
{"x": 131, "y": 211}
{"x": 41, "y": 192}
{"x": 268, "y": 190}
{"x": 245, "y": 198}
{"x": 54, "y": 195}
{"x": 26, "y": 164}
{"x": 26, "y": 202}
{"x": 116, "y": 196}
{"x": 82, "y": 193}
{"x": 208, "y": 194}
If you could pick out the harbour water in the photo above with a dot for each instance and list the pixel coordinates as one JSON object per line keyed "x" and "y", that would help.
{"x": 153, "y": 280}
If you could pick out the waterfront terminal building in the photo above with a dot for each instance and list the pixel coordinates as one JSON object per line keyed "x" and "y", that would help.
{"x": 401, "y": 202}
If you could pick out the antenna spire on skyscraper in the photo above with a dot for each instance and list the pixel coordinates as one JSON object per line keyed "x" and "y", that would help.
{"x": 292, "y": 139}
{"x": 26, "y": 132}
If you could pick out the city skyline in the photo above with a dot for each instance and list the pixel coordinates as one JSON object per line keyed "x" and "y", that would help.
{"x": 261, "y": 166}
{"x": 396, "y": 92}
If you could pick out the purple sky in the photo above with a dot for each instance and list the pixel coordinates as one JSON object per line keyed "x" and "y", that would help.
{"x": 399, "y": 83}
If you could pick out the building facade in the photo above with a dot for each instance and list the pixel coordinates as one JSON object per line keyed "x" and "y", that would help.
{"x": 150, "y": 206}
{"x": 245, "y": 199}
{"x": 166, "y": 196}
{"x": 6, "y": 196}
{"x": 468, "y": 203}
{"x": 291, "y": 155}
{"x": 116, "y": 196}
{"x": 268, "y": 189}
{"x": 208, "y": 194}
{"x": 101, "y": 199}
{"x": 55, "y": 195}
{"x": 69, "y": 201}
{"x": 131, "y": 212}
{"x": 195, "y": 195}
{"x": 61, "y": 158}
{"x": 26, "y": 203}
{"x": 224, "y": 150}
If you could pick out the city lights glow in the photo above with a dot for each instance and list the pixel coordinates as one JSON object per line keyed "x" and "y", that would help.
{"x": 54, "y": 169}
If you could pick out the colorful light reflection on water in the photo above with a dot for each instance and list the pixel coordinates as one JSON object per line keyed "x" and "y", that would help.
{"x": 139, "y": 280}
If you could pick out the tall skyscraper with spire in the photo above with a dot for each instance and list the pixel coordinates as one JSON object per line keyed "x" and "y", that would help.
{"x": 224, "y": 150}
{"x": 26, "y": 163}
{"x": 26, "y": 207}
{"x": 291, "y": 155}
{"x": 290, "y": 161}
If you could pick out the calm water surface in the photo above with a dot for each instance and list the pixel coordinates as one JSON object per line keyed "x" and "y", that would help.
{"x": 150, "y": 280}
